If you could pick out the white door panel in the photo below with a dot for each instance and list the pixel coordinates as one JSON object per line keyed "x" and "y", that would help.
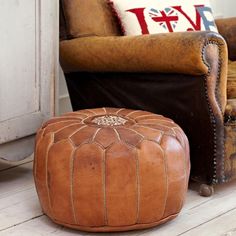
{"x": 28, "y": 68}
{"x": 19, "y": 90}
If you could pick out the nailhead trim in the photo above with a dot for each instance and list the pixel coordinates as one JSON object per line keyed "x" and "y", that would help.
{"x": 215, "y": 180}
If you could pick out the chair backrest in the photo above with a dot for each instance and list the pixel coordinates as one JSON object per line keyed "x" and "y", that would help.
{"x": 81, "y": 18}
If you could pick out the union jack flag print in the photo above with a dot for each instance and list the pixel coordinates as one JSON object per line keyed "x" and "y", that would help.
{"x": 167, "y": 18}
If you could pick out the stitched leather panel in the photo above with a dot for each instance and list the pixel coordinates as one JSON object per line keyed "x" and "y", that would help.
{"x": 139, "y": 180}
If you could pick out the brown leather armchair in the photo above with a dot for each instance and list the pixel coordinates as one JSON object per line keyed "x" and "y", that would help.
{"x": 180, "y": 75}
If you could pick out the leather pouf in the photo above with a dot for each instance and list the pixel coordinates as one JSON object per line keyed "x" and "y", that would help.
{"x": 110, "y": 169}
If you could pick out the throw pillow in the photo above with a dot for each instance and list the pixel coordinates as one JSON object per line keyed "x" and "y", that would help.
{"x": 162, "y": 16}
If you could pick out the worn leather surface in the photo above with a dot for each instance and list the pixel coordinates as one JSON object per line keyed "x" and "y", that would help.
{"x": 111, "y": 177}
{"x": 207, "y": 52}
{"x": 227, "y": 28}
{"x": 230, "y": 110}
{"x": 215, "y": 87}
{"x": 93, "y": 18}
{"x": 231, "y": 83}
{"x": 230, "y": 144}
{"x": 169, "y": 53}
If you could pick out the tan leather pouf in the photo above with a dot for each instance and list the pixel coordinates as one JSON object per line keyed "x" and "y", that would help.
{"x": 111, "y": 169}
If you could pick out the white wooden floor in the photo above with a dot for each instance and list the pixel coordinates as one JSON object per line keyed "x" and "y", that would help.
{"x": 20, "y": 213}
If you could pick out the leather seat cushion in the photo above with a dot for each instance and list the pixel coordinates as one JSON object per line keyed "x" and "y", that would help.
{"x": 231, "y": 87}
{"x": 93, "y": 18}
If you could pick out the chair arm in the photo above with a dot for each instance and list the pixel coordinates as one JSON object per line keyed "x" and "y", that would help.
{"x": 166, "y": 53}
{"x": 227, "y": 28}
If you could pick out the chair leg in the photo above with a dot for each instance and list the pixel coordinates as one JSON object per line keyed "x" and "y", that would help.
{"x": 206, "y": 190}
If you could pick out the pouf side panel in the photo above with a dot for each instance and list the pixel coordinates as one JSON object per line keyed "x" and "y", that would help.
{"x": 61, "y": 120}
{"x": 67, "y": 131}
{"x": 111, "y": 110}
{"x": 177, "y": 174}
{"x": 83, "y": 135}
{"x": 149, "y": 133}
{"x": 88, "y": 185}
{"x": 87, "y": 112}
{"x": 59, "y": 176}
{"x": 117, "y": 228}
{"x": 121, "y": 185}
{"x": 43, "y": 145}
{"x": 125, "y": 112}
{"x": 106, "y": 136}
{"x": 38, "y": 141}
{"x": 185, "y": 144}
{"x": 129, "y": 136}
{"x": 158, "y": 126}
{"x": 148, "y": 116}
{"x": 152, "y": 181}
{"x": 53, "y": 127}
{"x": 137, "y": 113}
{"x": 98, "y": 111}
{"x": 77, "y": 114}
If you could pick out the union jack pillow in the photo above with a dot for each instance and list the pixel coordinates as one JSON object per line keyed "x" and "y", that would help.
{"x": 161, "y": 16}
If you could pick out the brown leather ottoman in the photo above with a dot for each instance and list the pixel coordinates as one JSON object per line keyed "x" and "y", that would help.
{"x": 111, "y": 169}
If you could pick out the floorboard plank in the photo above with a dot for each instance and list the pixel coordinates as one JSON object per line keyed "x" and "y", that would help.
{"x": 40, "y": 226}
{"x": 224, "y": 225}
{"x": 18, "y": 208}
{"x": 16, "y": 179}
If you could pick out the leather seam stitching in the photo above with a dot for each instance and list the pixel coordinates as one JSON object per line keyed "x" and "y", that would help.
{"x": 72, "y": 159}
{"x": 138, "y": 184}
{"x": 167, "y": 179}
{"x": 46, "y": 168}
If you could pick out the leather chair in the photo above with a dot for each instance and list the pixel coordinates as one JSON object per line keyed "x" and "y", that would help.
{"x": 185, "y": 76}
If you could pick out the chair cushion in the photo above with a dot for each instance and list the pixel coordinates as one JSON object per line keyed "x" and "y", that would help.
{"x": 151, "y": 16}
{"x": 90, "y": 17}
{"x": 231, "y": 85}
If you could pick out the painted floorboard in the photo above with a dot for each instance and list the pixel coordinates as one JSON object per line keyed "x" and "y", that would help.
{"x": 16, "y": 179}
{"x": 224, "y": 225}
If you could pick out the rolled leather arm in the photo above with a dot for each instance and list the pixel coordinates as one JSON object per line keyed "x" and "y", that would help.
{"x": 227, "y": 28}
{"x": 183, "y": 52}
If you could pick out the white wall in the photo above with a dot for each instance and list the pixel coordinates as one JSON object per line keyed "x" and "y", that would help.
{"x": 221, "y": 8}
{"x": 224, "y": 8}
